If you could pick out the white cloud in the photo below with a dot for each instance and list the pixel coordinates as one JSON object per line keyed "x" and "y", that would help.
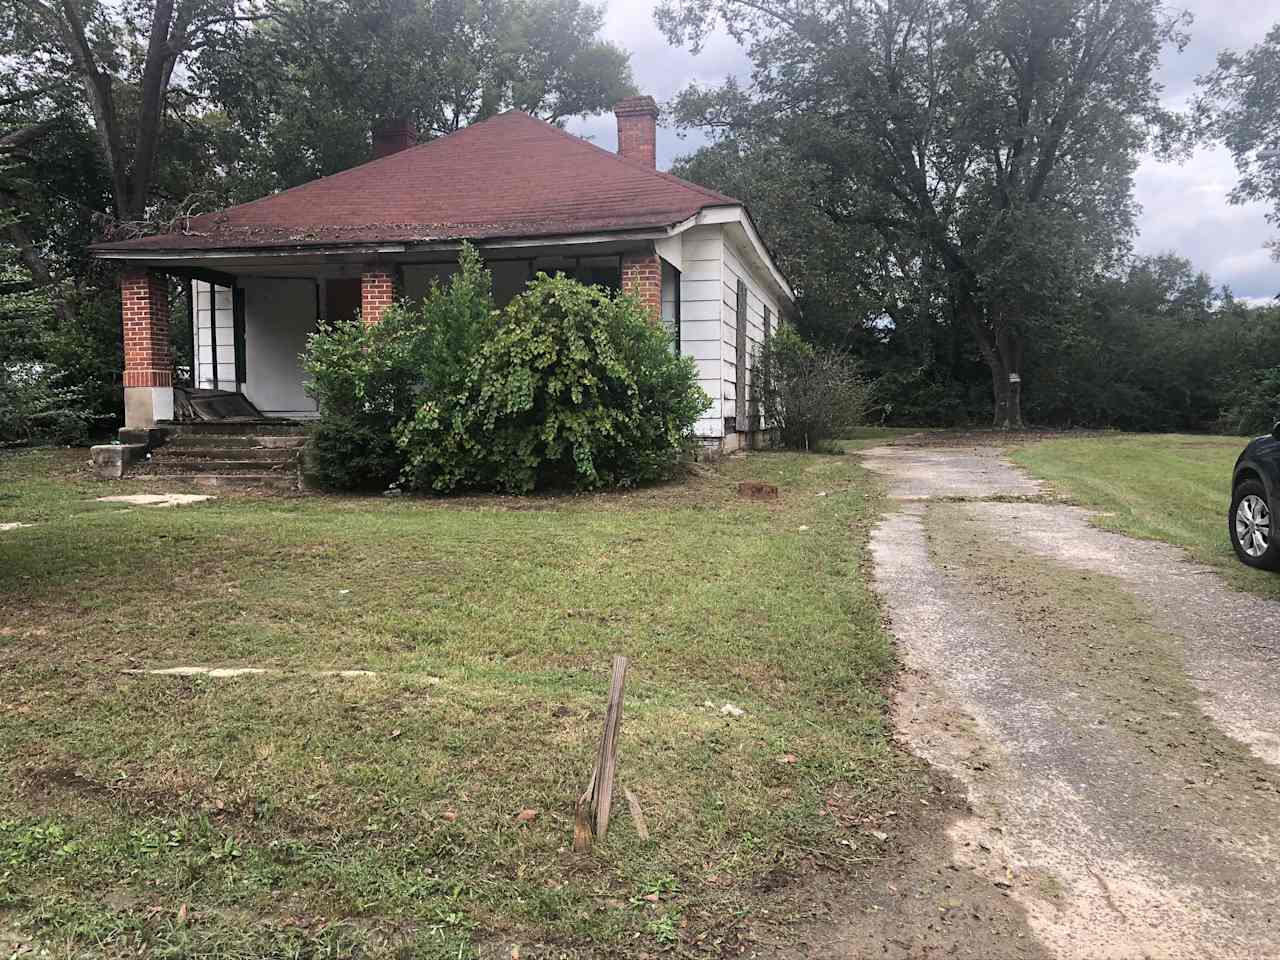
{"x": 1185, "y": 208}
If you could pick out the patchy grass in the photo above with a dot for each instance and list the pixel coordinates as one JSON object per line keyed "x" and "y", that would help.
{"x": 1170, "y": 487}
{"x": 304, "y": 816}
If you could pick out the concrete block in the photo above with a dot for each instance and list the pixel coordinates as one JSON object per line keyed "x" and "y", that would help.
{"x": 151, "y": 437}
{"x": 111, "y": 460}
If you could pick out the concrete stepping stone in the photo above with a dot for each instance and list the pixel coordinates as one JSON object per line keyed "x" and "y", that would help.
{"x": 157, "y": 499}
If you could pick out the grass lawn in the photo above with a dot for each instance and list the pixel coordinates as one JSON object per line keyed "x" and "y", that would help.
{"x": 1170, "y": 487}
{"x": 297, "y": 815}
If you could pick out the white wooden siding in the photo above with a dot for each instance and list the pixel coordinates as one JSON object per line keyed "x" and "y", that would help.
{"x": 702, "y": 253}
{"x": 734, "y": 269}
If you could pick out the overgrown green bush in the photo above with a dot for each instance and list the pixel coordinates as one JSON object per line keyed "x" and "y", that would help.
{"x": 568, "y": 386}
{"x": 367, "y": 379}
{"x": 44, "y": 392}
{"x": 1254, "y": 405}
{"x": 577, "y": 388}
{"x": 813, "y": 395}
{"x": 35, "y": 408}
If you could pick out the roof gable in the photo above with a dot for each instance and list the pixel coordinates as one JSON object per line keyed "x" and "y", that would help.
{"x": 509, "y": 176}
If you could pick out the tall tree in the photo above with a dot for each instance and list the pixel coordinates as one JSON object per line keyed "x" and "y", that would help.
{"x": 303, "y": 87}
{"x": 122, "y": 60}
{"x": 272, "y": 91}
{"x": 1239, "y": 105}
{"x": 990, "y": 144}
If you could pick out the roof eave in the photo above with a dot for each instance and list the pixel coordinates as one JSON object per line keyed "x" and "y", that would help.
{"x": 106, "y": 251}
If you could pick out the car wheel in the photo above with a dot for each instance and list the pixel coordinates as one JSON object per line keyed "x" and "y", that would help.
{"x": 1253, "y": 527}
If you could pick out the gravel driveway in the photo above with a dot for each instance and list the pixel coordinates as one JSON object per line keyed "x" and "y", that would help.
{"x": 1112, "y": 710}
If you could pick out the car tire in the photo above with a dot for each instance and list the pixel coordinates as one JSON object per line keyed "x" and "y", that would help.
{"x": 1253, "y": 520}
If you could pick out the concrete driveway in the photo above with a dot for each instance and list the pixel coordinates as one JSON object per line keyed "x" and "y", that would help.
{"x": 1112, "y": 710}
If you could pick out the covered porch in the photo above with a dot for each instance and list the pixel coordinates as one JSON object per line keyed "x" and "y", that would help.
{"x": 250, "y": 312}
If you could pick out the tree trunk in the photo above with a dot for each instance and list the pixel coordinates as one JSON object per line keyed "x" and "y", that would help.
{"x": 1002, "y": 349}
{"x": 1005, "y": 360}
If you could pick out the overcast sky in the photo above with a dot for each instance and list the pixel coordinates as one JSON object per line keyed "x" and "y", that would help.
{"x": 1184, "y": 206}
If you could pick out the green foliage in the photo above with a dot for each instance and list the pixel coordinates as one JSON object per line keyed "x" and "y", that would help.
{"x": 46, "y": 376}
{"x": 570, "y": 385}
{"x": 366, "y": 379}
{"x": 577, "y": 388}
{"x": 29, "y": 843}
{"x": 969, "y": 159}
{"x": 813, "y": 395}
{"x": 303, "y": 87}
{"x": 34, "y": 409}
{"x": 1254, "y": 405}
{"x": 1239, "y": 106}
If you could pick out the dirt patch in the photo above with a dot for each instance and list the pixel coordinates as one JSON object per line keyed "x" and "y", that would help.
{"x": 925, "y": 897}
{"x": 967, "y": 471}
{"x": 56, "y": 782}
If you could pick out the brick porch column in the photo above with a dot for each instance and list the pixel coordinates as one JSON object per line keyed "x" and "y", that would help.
{"x": 148, "y": 358}
{"x": 377, "y": 292}
{"x": 642, "y": 278}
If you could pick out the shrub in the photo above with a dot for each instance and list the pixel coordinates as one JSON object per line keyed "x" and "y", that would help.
{"x": 367, "y": 379}
{"x": 576, "y": 388}
{"x": 812, "y": 395}
{"x": 1254, "y": 405}
{"x": 34, "y": 408}
{"x": 50, "y": 380}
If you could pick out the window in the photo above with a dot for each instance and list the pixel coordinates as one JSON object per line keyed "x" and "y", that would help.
{"x": 218, "y": 337}
{"x": 671, "y": 305}
{"x": 601, "y": 271}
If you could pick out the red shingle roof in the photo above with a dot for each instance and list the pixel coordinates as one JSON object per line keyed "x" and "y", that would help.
{"x": 510, "y": 176}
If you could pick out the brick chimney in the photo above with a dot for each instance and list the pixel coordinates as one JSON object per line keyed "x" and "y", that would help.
{"x": 392, "y": 137}
{"x": 638, "y": 129}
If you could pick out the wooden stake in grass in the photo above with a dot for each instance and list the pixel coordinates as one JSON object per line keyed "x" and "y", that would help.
{"x": 591, "y": 820}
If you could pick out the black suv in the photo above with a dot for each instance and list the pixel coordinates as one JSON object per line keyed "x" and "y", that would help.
{"x": 1255, "y": 503}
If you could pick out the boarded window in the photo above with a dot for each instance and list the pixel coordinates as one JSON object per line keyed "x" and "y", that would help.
{"x": 740, "y": 358}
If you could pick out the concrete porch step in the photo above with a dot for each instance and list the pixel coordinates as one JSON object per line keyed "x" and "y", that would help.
{"x": 225, "y": 452}
{"x": 220, "y": 465}
{"x": 227, "y": 441}
{"x": 234, "y": 426}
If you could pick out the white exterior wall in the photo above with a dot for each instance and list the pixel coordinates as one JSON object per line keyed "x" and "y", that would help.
{"x": 279, "y": 314}
{"x": 735, "y": 268}
{"x": 702, "y": 255}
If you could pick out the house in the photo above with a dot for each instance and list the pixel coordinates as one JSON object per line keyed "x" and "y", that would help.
{"x": 529, "y": 196}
